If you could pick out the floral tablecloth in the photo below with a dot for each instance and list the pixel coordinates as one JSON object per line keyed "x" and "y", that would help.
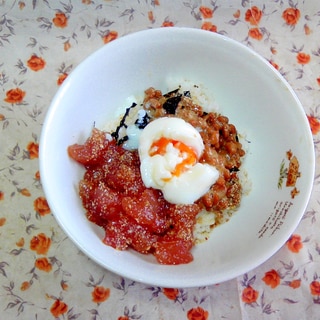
{"x": 42, "y": 274}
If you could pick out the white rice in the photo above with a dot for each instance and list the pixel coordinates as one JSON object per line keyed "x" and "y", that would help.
{"x": 199, "y": 93}
{"x": 203, "y": 227}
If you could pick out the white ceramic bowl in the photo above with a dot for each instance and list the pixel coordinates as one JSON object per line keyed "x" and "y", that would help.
{"x": 246, "y": 88}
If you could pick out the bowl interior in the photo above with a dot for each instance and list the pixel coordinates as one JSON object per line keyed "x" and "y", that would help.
{"x": 244, "y": 87}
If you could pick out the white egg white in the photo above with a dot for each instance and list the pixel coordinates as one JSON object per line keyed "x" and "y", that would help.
{"x": 156, "y": 170}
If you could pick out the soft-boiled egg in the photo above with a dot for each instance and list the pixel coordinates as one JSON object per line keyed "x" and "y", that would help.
{"x": 169, "y": 151}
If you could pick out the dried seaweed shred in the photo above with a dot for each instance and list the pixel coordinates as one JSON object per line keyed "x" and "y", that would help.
{"x": 142, "y": 122}
{"x": 122, "y": 123}
{"x": 173, "y": 99}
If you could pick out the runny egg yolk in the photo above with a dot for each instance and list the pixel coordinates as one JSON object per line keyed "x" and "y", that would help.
{"x": 169, "y": 151}
{"x": 187, "y": 154}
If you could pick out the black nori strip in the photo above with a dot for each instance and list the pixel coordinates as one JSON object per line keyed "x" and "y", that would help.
{"x": 171, "y": 104}
{"x": 187, "y": 94}
{"x": 122, "y": 140}
{"x": 142, "y": 123}
{"x": 171, "y": 93}
{"x": 115, "y": 134}
{"x": 234, "y": 169}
